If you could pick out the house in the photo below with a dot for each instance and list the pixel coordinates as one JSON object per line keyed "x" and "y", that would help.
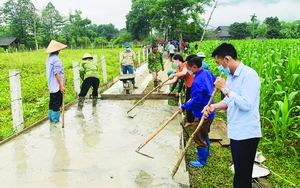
{"x": 222, "y": 33}
{"x": 5, "y": 42}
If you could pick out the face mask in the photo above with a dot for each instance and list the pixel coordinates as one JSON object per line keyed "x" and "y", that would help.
{"x": 225, "y": 71}
{"x": 221, "y": 68}
{"x": 190, "y": 72}
{"x": 127, "y": 49}
{"x": 175, "y": 64}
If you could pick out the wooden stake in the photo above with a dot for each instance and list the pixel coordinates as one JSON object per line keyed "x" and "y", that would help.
{"x": 206, "y": 26}
{"x": 63, "y": 110}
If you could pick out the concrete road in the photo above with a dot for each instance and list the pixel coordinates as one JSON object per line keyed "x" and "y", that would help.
{"x": 97, "y": 147}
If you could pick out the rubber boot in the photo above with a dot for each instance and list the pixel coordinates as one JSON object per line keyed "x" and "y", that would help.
{"x": 95, "y": 98}
{"x": 80, "y": 103}
{"x": 208, "y": 145}
{"x": 55, "y": 116}
{"x": 50, "y": 114}
{"x": 202, "y": 157}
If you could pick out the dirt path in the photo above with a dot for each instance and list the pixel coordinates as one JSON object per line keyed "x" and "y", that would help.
{"x": 97, "y": 147}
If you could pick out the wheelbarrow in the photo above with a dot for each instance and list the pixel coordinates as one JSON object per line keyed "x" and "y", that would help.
{"x": 127, "y": 81}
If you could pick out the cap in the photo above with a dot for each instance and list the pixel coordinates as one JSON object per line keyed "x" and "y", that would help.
{"x": 127, "y": 45}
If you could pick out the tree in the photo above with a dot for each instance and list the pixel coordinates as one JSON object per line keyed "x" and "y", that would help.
{"x": 52, "y": 24}
{"x": 273, "y": 27}
{"x": 239, "y": 30}
{"x": 20, "y": 16}
{"x": 78, "y": 27}
{"x": 169, "y": 16}
{"x": 108, "y": 31}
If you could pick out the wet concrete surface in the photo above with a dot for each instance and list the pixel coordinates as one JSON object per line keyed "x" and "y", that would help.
{"x": 97, "y": 147}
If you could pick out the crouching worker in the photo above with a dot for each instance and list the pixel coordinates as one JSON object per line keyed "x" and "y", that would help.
{"x": 56, "y": 79}
{"x": 88, "y": 72}
{"x": 201, "y": 91}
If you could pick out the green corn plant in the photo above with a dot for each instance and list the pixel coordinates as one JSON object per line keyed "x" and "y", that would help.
{"x": 281, "y": 120}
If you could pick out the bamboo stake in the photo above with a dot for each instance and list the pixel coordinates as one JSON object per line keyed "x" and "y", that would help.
{"x": 158, "y": 130}
{"x": 145, "y": 96}
{"x": 192, "y": 136}
{"x": 206, "y": 25}
{"x": 63, "y": 110}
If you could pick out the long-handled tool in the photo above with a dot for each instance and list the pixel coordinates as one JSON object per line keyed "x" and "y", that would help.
{"x": 156, "y": 132}
{"x": 192, "y": 136}
{"x": 63, "y": 110}
{"x": 146, "y": 96}
{"x": 182, "y": 117}
{"x": 206, "y": 26}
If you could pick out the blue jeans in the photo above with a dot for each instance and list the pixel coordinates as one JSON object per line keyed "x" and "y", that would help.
{"x": 128, "y": 68}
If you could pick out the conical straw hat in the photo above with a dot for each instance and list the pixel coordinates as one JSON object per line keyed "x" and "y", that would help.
{"x": 54, "y": 46}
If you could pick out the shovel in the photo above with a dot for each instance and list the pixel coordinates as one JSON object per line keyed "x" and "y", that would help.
{"x": 155, "y": 133}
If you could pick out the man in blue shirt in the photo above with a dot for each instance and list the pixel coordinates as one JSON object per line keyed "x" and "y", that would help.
{"x": 201, "y": 91}
{"x": 241, "y": 90}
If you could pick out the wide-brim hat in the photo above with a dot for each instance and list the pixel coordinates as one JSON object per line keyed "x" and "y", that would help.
{"x": 201, "y": 54}
{"x": 55, "y": 46}
{"x": 87, "y": 55}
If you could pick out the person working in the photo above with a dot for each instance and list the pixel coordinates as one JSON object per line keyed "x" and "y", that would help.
{"x": 242, "y": 91}
{"x": 88, "y": 72}
{"x": 188, "y": 78}
{"x": 201, "y": 91}
{"x": 178, "y": 81}
{"x": 56, "y": 79}
{"x": 204, "y": 64}
{"x": 128, "y": 63}
{"x": 155, "y": 64}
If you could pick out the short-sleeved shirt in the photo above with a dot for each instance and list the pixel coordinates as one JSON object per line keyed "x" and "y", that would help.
{"x": 127, "y": 58}
{"x": 155, "y": 64}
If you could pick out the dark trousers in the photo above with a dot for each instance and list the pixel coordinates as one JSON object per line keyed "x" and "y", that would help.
{"x": 87, "y": 83}
{"x": 243, "y": 154}
{"x": 189, "y": 114}
{"x": 55, "y": 101}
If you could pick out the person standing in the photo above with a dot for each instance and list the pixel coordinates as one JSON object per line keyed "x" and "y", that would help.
{"x": 128, "y": 63}
{"x": 56, "y": 79}
{"x": 204, "y": 64}
{"x": 183, "y": 73}
{"x": 201, "y": 91}
{"x": 155, "y": 64}
{"x": 172, "y": 50}
{"x": 242, "y": 95}
{"x": 88, "y": 72}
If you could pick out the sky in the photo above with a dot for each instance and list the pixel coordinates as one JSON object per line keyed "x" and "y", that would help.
{"x": 226, "y": 13}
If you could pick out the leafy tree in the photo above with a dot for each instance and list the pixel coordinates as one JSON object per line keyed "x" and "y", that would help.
{"x": 261, "y": 30}
{"x": 273, "y": 27}
{"x": 52, "y": 24}
{"x": 108, "y": 31}
{"x": 125, "y": 37}
{"x": 169, "y": 16}
{"x": 289, "y": 30}
{"x": 78, "y": 27}
{"x": 239, "y": 30}
{"x": 19, "y": 16}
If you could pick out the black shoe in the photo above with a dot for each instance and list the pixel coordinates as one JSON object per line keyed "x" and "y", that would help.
{"x": 134, "y": 87}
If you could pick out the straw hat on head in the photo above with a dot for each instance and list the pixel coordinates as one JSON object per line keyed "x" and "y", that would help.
{"x": 55, "y": 46}
{"x": 87, "y": 55}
